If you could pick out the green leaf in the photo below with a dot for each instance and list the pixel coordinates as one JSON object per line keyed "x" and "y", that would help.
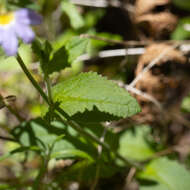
{"x": 69, "y": 153}
{"x": 58, "y": 62}
{"x": 169, "y": 174}
{"x": 38, "y": 133}
{"x": 181, "y": 32}
{"x": 75, "y": 47}
{"x": 184, "y": 4}
{"x": 73, "y": 14}
{"x": 88, "y": 90}
{"x": 134, "y": 144}
{"x": 85, "y": 170}
{"x": 50, "y": 61}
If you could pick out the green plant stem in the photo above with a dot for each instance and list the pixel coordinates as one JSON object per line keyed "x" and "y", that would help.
{"x": 32, "y": 80}
{"x": 70, "y": 122}
{"x": 78, "y": 128}
{"x": 14, "y": 112}
{"x": 39, "y": 184}
{"x": 7, "y": 139}
{"x": 48, "y": 86}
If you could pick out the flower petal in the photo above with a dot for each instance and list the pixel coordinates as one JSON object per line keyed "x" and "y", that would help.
{"x": 9, "y": 41}
{"x": 27, "y": 16}
{"x": 24, "y": 32}
{"x": 1, "y": 35}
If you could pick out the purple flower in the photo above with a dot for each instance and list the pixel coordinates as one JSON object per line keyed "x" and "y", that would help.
{"x": 14, "y": 25}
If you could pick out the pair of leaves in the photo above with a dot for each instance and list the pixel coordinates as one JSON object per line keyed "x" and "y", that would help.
{"x": 38, "y": 133}
{"x": 165, "y": 174}
{"x": 54, "y": 61}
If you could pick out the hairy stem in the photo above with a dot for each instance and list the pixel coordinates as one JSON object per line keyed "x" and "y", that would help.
{"x": 48, "y": 86}
{"x": 31, "y": 78}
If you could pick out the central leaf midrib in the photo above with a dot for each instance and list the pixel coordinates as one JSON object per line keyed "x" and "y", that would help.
{"x": 90, "y": 100}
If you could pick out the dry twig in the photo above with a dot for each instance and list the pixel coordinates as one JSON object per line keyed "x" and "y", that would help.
{"x": 152, "y": 64}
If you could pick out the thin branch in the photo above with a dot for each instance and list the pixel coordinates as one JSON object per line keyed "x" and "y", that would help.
{"x": 104, "y": 4}
{"x": 144, "y": 95}
{"x": 135, "y": 42}
{"x": 78, "y": 128}
{"x": 95, "y": 182}
{"x": 97, "y": 3}
{"x": 165, "y": 152}
{"x": 140, "y": 93}
{"x": 113, "y": 53}
{"x": 32, "y": 80}
{"x": 119, "y": 42}
{"x": 184, "y": 46}
{"x": 15, "y": 113}
{"x": 7, "y": 138}
{"x": 151, "y": 64}
{"x": 130, "y": 176}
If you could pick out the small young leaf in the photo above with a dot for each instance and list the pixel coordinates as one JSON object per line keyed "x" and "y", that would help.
{"x": 58, "y": 62}
{"x": 88, "y": 90}
{"x": 50, "y": 64}
{"x": 72, "y": 12}
{"x": 169, "y": 174}
{"x": 75, "y": 47}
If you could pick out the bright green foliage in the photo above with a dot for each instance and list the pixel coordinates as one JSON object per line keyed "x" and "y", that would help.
{"x": 134, "y": 144}
{"x": 75, "y": 47}
{"x": 59, "y": 61}
{"x": 72, "y": 12}
{"x": 181, "y": 33}
{"x": 88, "y": 90}
{"x": 169, "y": 174}
{"x": 38, "y": 133}
{"x": 184, "y": 4}
{"x": 50, "y": 64}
